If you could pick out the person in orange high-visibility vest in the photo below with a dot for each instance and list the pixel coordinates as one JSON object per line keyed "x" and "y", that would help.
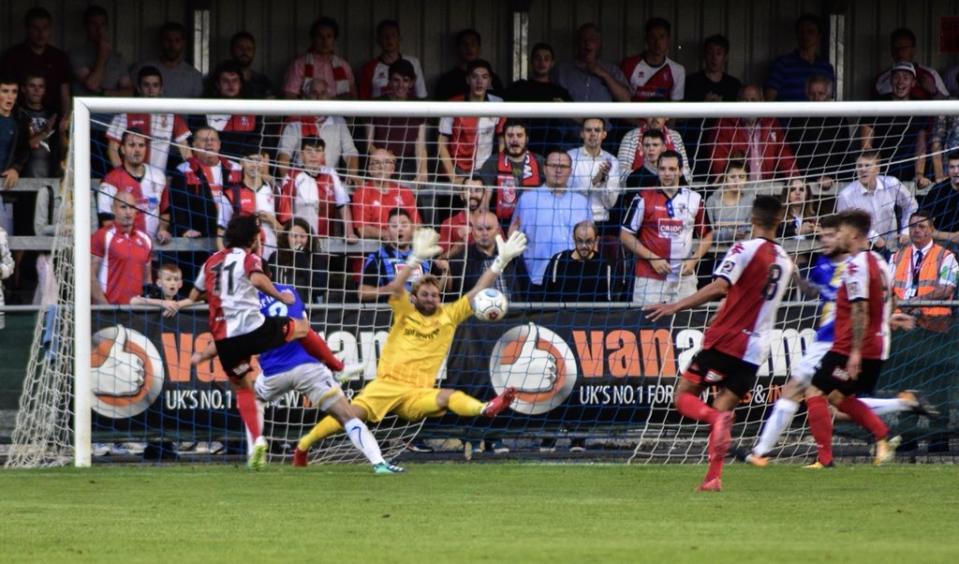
{"x": 925, "y": 270}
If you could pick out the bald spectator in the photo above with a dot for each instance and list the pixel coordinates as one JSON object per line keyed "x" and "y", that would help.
{"x": 320, "y": 67}
{"x": 98, "y": 70}
{"x": 180, "y": 79}
{"x": 902, "y": 47}
{"x": 652, "y": 73}
{"x": 588, "y": 78}
{"x": 760, "y": 141}
{"x": 452, "y": 83}
{"x": 36, "y": 54}
{"x": 470, "y": 262}
{"x": 119, "y": 256}
{"x": 789, "y": 73}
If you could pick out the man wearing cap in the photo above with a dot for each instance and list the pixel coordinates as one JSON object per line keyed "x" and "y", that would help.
{"x": 898, "y": 137}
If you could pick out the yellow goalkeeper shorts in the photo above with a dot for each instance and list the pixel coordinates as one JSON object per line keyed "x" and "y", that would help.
{"x": 380, "y": 398}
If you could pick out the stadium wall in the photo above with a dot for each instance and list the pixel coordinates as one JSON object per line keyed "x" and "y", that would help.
{"x": 759, "y": 30}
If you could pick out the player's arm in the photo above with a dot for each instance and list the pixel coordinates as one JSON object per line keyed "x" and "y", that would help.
{"x": 506, "y": 252}
{"x": 446, "y": 159}
{"x": 263, "y": 283}
{"x": 859, "y": 320}
{"x": 711, "y": 292}
{"x": 96, "y": 292}
{"x": 425, "y": 246}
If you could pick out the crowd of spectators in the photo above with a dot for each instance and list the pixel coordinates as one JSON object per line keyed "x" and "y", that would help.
{"x": 614, "y": 209}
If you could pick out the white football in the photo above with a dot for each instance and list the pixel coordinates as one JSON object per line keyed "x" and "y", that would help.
{"x": 490, "y": 305}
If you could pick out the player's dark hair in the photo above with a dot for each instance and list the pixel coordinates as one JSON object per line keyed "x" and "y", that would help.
{"x": 767, "y": 211}
{"x": 515, "y": 122}
{"x": 241, "y": 231}
{"x": 830, "y": 221}
{"x": 671, "y": 154}
{"x": 315, "y": 142}
{"x": 902, "y": 33}
{"x": 462, "y": 34}
{"x": 718, "y": 40}
{"x": 325, "y": 21}
{"x": 36, "y": 13}
{"x": 94, "y": 11}
{"x": 387, "y": 24}
{"x": 654, "y": 134}
{"x": 399, "y": 211}
{"x": 542, "y": 47}
{"x": 148, "y": 70}
{"x": 658, "y": 23}
{"x": 240, "y": 36}
{"x": 809, "y": 18}
{"x": 857, "y": 219}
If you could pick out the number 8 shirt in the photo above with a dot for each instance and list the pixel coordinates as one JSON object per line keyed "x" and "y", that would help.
{"x": 758, "y": 272}
{"x": 234, "y": 301}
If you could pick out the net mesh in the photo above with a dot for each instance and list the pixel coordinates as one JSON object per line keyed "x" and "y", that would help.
{"x": 596, "y": 374}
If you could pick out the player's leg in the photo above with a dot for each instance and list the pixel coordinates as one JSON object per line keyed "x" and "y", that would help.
{"x": 466, "y": 405}
{"x": 328, "y": 426}
{"x": 906, "y": 400}
{"x": 251, "y": 413}
{"x": 845, "y": 400}
{"x": 361, "y": 437}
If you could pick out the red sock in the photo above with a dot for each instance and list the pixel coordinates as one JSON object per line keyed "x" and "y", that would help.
{"x": 246, "y": 404}
{"x": 861, "y": 414}
{"x": 689, "y": 405}
{"x": 820, "y": 423}
{"x": 319, "y": 350}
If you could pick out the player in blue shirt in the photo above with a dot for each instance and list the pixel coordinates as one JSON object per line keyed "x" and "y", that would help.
{"x": 290, "y": 367}
{"x": 823, "y": 282}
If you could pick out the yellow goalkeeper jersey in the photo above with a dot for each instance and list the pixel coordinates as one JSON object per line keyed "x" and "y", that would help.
{"x": 417, "y": 344}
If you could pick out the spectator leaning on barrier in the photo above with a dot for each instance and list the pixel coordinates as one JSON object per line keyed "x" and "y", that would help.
{"x": 652, "y": 73}
{"x": 941, "y": 203}
{"x": 547, "y": 215}
{"x": 788, "y": 73}
{"x": 925, "y": 270}
{"x": 120, "y": 256}
{"x": 511, "y": 171}
{"x": 147, "y": 184}
{"x": 98, "y": 70}
{"x": 879, "y": 196}
{"x": 375, "y": 75}
{"x": 579, "y": 274}
{"x": 299, "y": 263}
{"x": 161, "y": 129}
{"x": 713, "y": 83}
{"x": 453, "y": 82}
{"x": 14, "y": 146}
{"x": 587, "y": 78}
{"x": 320, "y": 66}
{"x": 659, "y": 230}
{"x": 180, "y": 79}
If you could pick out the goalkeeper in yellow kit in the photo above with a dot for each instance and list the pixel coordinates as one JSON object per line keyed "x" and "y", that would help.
{"x": 416, "y": 346}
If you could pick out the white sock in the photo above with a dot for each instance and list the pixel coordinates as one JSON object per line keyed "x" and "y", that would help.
{"x": 782, "y": 416}
{"x": 259, "y": 420}
{"x": 885, "y": 406}
{"x": 363, "y": 440}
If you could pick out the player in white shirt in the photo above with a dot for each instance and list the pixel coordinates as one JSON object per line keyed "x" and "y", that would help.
{"x": 595, "y": 172}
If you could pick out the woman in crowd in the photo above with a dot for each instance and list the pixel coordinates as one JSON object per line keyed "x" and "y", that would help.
{"x": 297, "y": 263}
{"x": 800, "y": 221}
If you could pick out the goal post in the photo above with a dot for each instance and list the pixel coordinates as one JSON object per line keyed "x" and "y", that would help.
{"x": 608, "y": 349}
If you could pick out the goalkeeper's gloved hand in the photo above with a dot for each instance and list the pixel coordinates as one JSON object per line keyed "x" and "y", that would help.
{"x": 508, "y": 250}
{"x": 122, "y": 373}
{"x": 534, "y": 370}
{"x": 425, "y": 247}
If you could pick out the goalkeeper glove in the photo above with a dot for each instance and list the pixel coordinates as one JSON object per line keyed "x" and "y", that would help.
{"x": 425, "y": 247}
{"x": 508, "y": 250}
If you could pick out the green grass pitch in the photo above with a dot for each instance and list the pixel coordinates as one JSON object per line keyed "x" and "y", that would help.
{"x": 480, "y": 512}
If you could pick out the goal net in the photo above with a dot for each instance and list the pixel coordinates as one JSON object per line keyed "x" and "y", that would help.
{"x": 660, "y": 193}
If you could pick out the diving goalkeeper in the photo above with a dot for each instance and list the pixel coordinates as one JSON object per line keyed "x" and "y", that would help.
{"x": 416, "y": 346}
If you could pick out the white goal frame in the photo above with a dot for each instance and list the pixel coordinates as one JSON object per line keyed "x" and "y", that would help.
{"x": 83, "y": 107}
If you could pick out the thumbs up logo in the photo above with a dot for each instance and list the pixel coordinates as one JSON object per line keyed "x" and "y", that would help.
{"x": 126, "y": 372}
{"x": 537, "y": 363}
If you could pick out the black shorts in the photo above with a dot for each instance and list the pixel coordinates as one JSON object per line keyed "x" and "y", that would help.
{"x": 236, "y": 353}
{"x": 831, "y": 375}
{"x": 711, "y": 367}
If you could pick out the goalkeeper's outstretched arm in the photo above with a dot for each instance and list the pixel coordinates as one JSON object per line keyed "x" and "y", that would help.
{"x": 506, "y": 252}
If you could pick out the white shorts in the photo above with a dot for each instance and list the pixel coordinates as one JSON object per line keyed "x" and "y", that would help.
{"x": 810, "y": 361}
{"x": 653, "y": 291}
{"x": 313, "y": 380}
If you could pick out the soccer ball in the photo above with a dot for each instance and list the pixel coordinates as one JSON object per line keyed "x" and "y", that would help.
{"x": 490, "y": 305}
